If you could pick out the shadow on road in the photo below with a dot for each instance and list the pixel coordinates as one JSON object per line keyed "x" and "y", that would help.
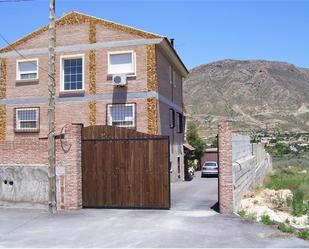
{"x": 197, "y": 194}
{"x": 216, "y": 207}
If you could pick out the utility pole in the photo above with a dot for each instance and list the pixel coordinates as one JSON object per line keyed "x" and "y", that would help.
{"x": 51, "y": 110}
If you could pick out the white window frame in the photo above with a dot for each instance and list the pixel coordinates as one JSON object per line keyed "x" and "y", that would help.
{"x": 18, "y": 73}
{"x": 110, "y": 119}
{"x": 132, "y": 74}
{"x": 18, "y": 128}
{"x": 73, "y": 56}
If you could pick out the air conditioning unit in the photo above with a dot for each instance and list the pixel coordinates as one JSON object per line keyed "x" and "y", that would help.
{"x": 120, "y": 80}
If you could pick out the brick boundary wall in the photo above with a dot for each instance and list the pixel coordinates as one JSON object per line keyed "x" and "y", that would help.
{"x": 249, "y": 172}
{"x": 225, "y": 188}
{"x": 242, "y": 166}
{"x": 33, "y": 152}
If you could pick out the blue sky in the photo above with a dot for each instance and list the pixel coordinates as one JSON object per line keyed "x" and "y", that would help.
{"x": 204, "y": 31}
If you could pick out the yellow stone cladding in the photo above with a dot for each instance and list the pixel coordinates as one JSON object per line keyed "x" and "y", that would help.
{"x": 152, "y": 116}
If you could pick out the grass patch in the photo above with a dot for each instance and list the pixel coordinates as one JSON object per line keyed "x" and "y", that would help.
{"x": 303, "y": 234}
{"x": 288, "y": 179}
{"x": 265, "y": 218}
{"x": 249, "y": 216}
{"x": 285, "y": 228}
{"x": 300, "y": 206}
{"x": 294, "y": 175}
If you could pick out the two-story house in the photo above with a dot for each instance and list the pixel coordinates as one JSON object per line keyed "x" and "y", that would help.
{"x": 90, "y": 53}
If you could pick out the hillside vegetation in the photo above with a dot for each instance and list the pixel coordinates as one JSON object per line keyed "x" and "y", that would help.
{"x": 255, "y": 94}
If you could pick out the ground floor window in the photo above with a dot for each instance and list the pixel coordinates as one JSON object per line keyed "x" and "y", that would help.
{"x": 179, "y": 122}
{"x": 172, "y": 118}
{"x": 27, "y": 119}
{"x": 121, "y": 115}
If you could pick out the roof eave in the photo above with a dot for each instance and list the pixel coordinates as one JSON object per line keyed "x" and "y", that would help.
{"x": 173, "y": 55}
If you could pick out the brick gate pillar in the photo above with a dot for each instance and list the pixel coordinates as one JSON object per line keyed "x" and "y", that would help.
{"x": 226, "y": 198}
{"x": 69, "y": 156}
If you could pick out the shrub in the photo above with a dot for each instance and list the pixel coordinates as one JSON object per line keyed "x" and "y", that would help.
{"x": 266, "y": 220}
{"x": 280, "y": 201}
{"x": 303, "y": 234}
{"x": 289, "y": 201}
{"x": 284, "y": 228}
{"x": 280, "y": 150}
{"x": 299, "y": 206}
{"x": 242, "y": 213}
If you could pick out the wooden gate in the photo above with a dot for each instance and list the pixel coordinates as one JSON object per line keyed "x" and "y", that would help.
{"x": 123, "y": 168}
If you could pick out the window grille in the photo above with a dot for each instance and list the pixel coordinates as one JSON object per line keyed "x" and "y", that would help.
{"x": 27, "y": 119}
{"x": 121, "y": 115}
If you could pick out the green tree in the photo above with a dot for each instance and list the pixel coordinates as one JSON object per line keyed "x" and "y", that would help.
{"x": 196, "y": 141}
{"x": 214, "y": 143}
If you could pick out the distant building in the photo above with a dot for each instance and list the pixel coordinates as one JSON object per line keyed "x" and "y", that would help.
{"x": 211, "y": 154}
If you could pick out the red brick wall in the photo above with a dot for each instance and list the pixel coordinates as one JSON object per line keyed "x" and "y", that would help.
{"x": 76, "y": 34}
{"x": 17, "y": 152}
{"x": 76, "y": 112}
{"x": 71, "y": 161}
{"x": 33, "y": 151}
{"x": 173, "y": 92}
{"x": 226, "y": 200}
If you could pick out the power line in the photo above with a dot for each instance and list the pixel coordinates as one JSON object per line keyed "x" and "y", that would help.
{"x": 20, "y": 54}
{"x": 15, "y": 1}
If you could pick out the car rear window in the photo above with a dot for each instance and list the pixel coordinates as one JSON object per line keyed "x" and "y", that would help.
{"x": 210, "y": 164}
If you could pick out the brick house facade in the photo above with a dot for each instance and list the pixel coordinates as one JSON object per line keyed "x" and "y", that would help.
{"x": 89, "y": 51}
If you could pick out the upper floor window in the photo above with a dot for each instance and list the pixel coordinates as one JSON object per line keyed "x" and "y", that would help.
{"x": 27, "y": 119}
{"x": 171, "y": 75}
{"x": 121, "y": 63}
{"x": 174, "y": 77}
{"x": 27, "y": 69}
{"x": 72, "y": 73}
{"x": 121, "y": 115}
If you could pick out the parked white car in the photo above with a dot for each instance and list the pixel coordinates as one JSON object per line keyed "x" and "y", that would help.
{"x": 210, "y": 168}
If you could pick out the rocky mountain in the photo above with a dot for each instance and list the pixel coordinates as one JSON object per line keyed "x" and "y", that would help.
{"x": 255, "y": 94}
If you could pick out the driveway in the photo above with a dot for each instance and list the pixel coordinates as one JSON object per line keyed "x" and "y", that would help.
{"x": 190, "y": 223}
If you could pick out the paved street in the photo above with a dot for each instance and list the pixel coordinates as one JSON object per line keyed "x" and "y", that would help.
{"x": 190, "y": 223}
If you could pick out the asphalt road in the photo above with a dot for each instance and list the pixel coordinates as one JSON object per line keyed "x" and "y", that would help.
{"x": 190, "y": 223}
